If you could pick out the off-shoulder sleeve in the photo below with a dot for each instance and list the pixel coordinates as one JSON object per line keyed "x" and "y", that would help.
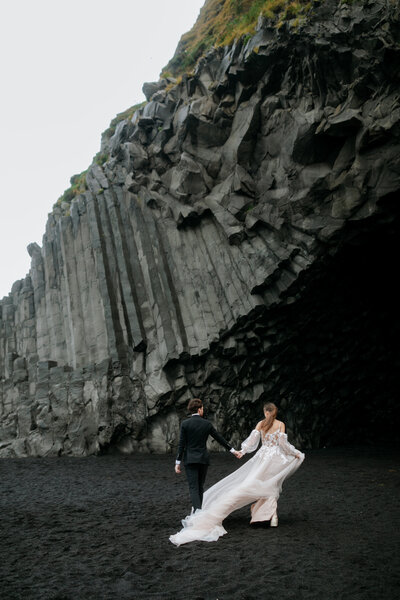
{"x": 287, "y": 447}
{"x": 250, "y": 444}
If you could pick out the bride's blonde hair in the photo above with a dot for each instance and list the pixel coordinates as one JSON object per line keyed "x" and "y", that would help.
{"x": 267, "y": 423}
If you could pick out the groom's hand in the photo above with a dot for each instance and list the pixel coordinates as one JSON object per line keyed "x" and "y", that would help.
{"x": 238, "y": 454}
{"x": 177, "y": 469}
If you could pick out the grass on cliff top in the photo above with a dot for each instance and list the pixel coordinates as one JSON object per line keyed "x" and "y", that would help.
{"x": 78, "y": 186}
{"x": 220, "y": 22}
{"x": 126, "y": 114}
{"x": 78, "y": 182}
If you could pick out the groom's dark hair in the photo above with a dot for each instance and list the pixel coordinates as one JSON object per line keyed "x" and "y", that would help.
{"x": 194, "y": 405}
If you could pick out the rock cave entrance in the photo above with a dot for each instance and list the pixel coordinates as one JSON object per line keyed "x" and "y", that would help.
{"x": 341, "y": 353}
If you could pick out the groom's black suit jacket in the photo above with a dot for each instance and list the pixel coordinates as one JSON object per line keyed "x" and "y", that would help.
{"x": 193, "y": 439}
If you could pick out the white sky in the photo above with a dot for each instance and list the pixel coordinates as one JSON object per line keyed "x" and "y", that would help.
{"x": 67, "y": 67}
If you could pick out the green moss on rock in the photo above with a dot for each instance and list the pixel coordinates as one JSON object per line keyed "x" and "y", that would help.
{"x": 78, "y": 186}
{"x": 220, "y": 22}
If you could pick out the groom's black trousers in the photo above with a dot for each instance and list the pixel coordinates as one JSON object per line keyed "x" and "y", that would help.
{"x": 196, "y": 476}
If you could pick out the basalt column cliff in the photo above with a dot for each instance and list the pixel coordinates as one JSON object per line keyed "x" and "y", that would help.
{"x": 238, "y": 242}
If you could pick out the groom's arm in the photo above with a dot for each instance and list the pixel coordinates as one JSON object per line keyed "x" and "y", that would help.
{"x": 181, "y": 448}
{"x": 218, "y": 437}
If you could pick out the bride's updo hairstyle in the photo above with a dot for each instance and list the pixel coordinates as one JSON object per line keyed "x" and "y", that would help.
{"x": 272, "y": 409}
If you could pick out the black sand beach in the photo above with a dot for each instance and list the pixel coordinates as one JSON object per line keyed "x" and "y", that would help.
{"x": 97, "y": 528}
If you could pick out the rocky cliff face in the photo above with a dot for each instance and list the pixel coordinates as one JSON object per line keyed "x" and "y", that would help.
{"x": 238, "y": 243}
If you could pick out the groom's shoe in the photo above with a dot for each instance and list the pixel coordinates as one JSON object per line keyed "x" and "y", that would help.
{"x": 274, "y": 521}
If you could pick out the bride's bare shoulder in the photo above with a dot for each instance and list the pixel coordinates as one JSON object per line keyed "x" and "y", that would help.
{"x": 281, "y": 426}
{"x": 258, "y": 426}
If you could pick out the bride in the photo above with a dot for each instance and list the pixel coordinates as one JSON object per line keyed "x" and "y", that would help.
{"x": 259, "y": 481}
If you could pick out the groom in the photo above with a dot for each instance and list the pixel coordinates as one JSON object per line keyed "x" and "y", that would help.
{"x": 192, "y": 447}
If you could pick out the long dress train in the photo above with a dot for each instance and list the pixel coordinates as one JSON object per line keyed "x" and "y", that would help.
{"x": 259, "y": 480}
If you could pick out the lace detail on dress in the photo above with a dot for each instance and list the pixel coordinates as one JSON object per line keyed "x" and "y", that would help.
{"x": 271, "y": 439}
{"x": 271, "y": 444}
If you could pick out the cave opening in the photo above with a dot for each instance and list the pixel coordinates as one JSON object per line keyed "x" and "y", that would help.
{"x": 341, "y": 353}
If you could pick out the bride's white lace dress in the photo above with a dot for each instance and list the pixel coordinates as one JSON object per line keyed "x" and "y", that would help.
{"x": 259, "y": 480}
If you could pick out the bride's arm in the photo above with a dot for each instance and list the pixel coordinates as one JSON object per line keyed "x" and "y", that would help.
{"x": 250, "y": 444}
{"x": 288, "y": 448}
